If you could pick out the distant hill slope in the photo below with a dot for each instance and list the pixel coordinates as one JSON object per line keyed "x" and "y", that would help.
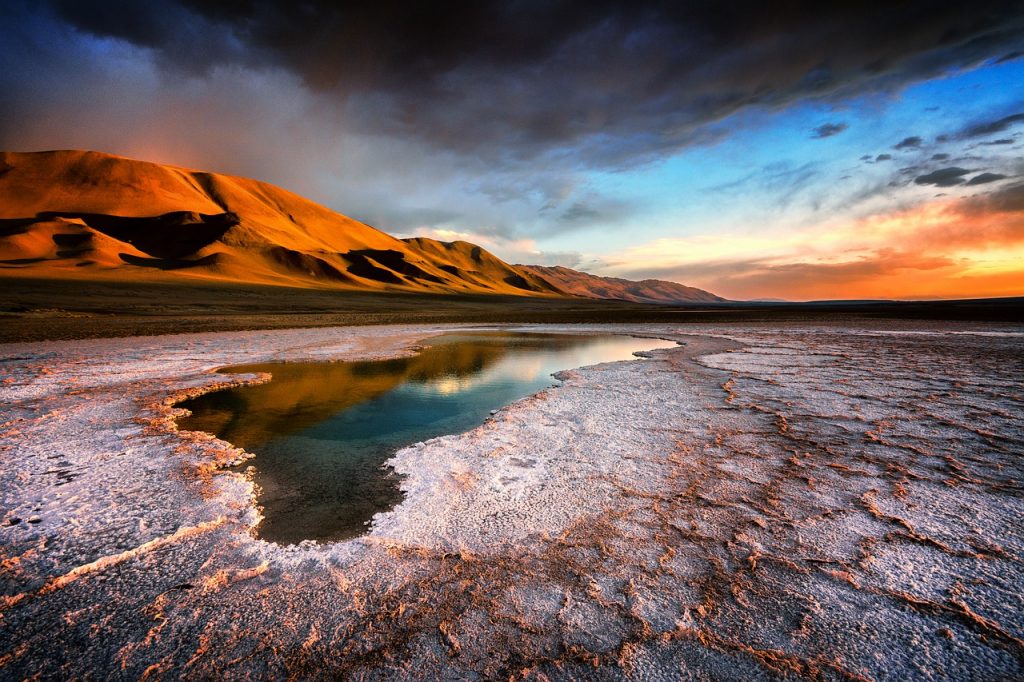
{"x": 81, "y": 214}
{"x": 476, "y": 266}
{"x": 73, "y": 213}
{"x": 645, "y": 291}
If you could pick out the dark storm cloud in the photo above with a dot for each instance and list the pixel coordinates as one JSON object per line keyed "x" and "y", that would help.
{"x": 883, "y": 157}
{"x": 909, "y": 143}
{"x": 828, "y": 130}
{"x": 985, "y": 178}
{"x": 991, "y": 127}
{"x": 944, "y": 177}
{"x": 617, "y": 84}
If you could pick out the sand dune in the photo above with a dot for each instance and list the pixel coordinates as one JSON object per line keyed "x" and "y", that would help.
{"x": 80, "y": 214}
{"x": 645, "y": 291}
{"x": 74, "y": 213}
{"x": 477, "y": 266}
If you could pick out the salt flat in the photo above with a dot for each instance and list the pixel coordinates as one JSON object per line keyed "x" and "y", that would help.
{"x": 759, "y": 503}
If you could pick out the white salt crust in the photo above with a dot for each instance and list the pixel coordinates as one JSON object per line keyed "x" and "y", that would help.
{"x": 756, "y": 504}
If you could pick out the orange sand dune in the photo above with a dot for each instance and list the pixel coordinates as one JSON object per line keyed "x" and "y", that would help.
{"x": 476, "y": 266}
{"x": 83, "y": 214}
{"x": 646, "y": 291}
{"x": 75, "y": 213}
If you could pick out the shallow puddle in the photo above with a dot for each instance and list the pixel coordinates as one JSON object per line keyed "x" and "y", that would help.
{"x": 322, "y": 431}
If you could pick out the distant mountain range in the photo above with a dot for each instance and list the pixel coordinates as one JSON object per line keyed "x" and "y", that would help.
{"x": 644, "y": 291}
{"x": 79, "y": 214}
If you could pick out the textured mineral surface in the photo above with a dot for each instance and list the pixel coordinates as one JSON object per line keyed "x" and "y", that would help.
{"x": 758, "y": 503}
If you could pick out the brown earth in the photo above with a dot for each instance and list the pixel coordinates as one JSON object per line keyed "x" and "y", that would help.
{"x": 41, "y": 309}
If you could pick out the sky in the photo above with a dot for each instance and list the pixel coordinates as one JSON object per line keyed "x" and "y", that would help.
{"x": 786, "y": 150}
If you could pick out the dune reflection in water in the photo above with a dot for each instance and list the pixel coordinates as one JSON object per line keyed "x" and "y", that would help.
{"x": 322, "y": 431}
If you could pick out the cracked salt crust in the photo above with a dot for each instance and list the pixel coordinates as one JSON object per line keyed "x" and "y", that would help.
{"x": 757, "y": 504}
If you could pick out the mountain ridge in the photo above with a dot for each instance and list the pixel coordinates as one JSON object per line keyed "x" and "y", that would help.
{"x": 587, "y": 285}
{"x": 72, "y": 213}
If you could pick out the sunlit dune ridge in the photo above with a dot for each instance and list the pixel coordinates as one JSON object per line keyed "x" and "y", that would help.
{"x": 95, "y": 216}
{"x": 65, "y": 212}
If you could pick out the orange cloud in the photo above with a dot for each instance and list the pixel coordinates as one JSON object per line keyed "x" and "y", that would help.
{"x": 948, "y": 248}
{"x": 886, "y": 274}
{"x": 987, "y": 222}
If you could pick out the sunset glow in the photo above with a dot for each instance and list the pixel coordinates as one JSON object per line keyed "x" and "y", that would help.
{"x": 944, "y": 248}
{"x": 736, "y": 172}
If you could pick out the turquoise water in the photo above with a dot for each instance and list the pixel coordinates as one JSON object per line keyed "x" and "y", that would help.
{"x": 321, "y": 432}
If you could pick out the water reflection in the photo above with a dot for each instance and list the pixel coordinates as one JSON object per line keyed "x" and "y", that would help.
{"x": 321, "y": 431}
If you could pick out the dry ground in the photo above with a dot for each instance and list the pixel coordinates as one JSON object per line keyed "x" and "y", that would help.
{"x": 40, "y": 309}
